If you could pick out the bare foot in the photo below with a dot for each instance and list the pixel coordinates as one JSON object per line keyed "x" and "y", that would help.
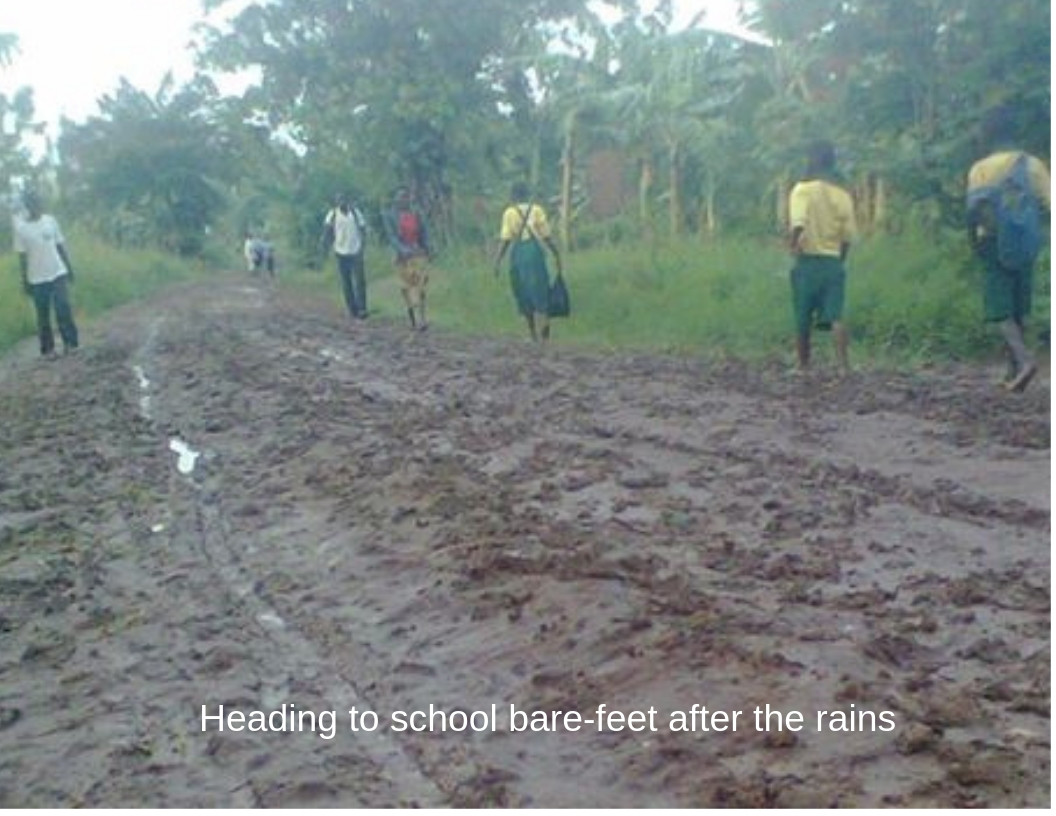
{"x": 1023, "y": 378}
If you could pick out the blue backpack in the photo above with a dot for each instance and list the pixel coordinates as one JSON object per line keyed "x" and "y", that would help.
{"x": 1010, "y": 211}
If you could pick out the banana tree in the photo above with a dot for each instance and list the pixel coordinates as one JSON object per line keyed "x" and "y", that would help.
{"x": 573, "y": 97}
{"x": 680, "y": 89}
{"x": 8, "y": 47}
{"x": 164, "y": 157}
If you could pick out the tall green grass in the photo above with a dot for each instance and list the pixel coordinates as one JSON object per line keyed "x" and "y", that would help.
{"x": 105, "y": 277}
{"x": 910, "y": 298}
{"x": 918, "y": 296}
{"x": 675, "y": 296}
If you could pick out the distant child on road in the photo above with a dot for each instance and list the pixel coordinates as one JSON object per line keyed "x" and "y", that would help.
{"x": 251, "y": 252}
{"x": 260, "y": 255}
{"x": 408, "y": 236}
{"x": 344, "y": 229}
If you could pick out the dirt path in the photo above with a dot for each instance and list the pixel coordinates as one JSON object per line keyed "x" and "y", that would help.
{"x": 387, "y": 522}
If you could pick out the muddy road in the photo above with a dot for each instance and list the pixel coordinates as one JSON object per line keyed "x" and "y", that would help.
{"x": 231, "y": 497}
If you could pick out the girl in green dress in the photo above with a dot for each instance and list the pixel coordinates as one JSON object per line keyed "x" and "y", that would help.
{"x": 525, "y": 229}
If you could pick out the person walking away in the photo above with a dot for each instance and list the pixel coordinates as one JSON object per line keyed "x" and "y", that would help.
{"x": 46, "y": 274}
{"x": 256, "y": 250}
{"x": 344, "y": 229}
{"x": 822, "y": 226}
{"x": 267, "y": 251}
{"x": 1006, "y": 192}
{"x": 525, "y": 228}
{"x": 408, "y": 236}
{"x": 249, "y": 252}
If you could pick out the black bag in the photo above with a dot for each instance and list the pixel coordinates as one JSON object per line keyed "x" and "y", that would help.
{"x": 559, "y": 305}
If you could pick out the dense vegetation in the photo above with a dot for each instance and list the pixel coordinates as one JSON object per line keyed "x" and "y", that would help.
{"x": 665, "y": 158}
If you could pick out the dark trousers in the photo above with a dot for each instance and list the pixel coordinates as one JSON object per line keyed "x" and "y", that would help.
{"x": 353, "y": 283}
{"x": 54, "y": 294}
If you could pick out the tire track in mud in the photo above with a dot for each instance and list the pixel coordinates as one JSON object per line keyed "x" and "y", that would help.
{"x": 457, "y": 521}
{"x": 945, "y": 498}
{"x": 116, "y": 625}
{"x": 407, "y": 785}
{"x": 555, "y": 557}
{"x": 293, "y": 653}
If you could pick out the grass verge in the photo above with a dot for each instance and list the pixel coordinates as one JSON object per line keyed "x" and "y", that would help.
{"x": 105, "y": 277}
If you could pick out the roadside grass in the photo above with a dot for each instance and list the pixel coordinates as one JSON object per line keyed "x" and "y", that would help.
{"x": 918, "y": 298}
{"x": 680, "y": 296}
{"x": 105, "y": 277}
{"x": 911, "y": 299}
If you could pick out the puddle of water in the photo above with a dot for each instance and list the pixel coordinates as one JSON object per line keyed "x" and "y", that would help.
{"x": 188, "y": 456}
{"x": 271, "y": 619}
{"x": 144, "y": 387}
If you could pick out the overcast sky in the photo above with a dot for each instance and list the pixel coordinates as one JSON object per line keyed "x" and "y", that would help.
{"x": 72, "y": 52}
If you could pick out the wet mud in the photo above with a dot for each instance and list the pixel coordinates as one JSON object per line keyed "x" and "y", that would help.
{"x": 358, "y": 516}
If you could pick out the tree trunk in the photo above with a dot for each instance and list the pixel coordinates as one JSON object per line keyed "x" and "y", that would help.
{"x": 536, "y": 161}
{"x": 566, "y": 185}
{"x": 862, "y": 195}
{"x": 675, "y": 200}
{"x": 710, "y": 220}
{"x": 646, "y": 175}
{"x": 870, "y": 202}
{"x": 880, "y": 203}
{"x": 781, "y": 203}
{"x": 645, "y": 184}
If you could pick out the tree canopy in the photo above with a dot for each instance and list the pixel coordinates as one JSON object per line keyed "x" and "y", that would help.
{"x": 458, "y": 100}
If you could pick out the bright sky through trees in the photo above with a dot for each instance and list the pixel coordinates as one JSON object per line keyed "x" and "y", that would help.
{"x": 72, "y": 53}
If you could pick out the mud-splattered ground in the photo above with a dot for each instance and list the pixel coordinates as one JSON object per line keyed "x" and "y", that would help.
{"x": 390, "y": 521}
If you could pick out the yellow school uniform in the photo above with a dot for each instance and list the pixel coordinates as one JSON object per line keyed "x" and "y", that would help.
{"x": 825, "y": 213}
{"x": 513, "y": 218}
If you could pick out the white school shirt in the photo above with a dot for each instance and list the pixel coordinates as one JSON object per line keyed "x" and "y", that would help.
{"x": 348, "y": 237}
{"x": 39, "y": 240}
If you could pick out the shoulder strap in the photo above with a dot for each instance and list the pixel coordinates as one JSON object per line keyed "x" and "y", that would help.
{"x": 524, "y": 223}
{"x": 1020, "y": 172}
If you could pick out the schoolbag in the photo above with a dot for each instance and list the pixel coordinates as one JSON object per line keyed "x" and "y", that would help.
{"x": 1010, "y": 210}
